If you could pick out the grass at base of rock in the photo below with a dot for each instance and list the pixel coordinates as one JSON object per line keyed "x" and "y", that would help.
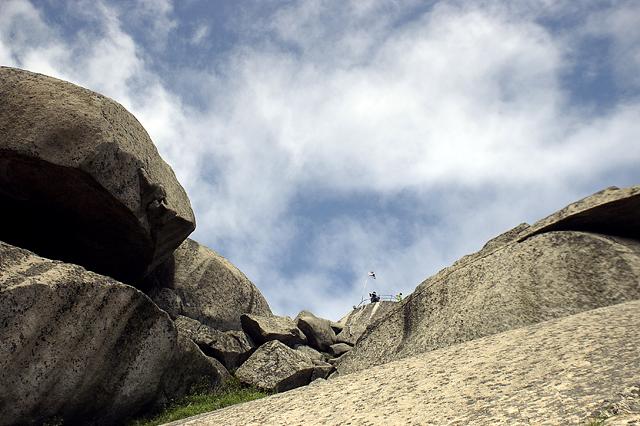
{"x": 201, "y": 402}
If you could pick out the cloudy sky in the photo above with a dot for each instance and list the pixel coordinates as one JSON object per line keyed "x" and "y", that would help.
{"x": 319, "y": 140}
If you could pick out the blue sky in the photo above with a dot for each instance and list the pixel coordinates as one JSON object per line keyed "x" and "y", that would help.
{"x": 319, "y": 140}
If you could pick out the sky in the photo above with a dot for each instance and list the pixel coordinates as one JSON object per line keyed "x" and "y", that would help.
{"x": 320, "y": 140}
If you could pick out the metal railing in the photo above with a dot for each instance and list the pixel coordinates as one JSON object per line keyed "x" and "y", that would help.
{"x": 383, "y": 298}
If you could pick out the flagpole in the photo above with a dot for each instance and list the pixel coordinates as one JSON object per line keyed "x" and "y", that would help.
{"x": 364, "y": 285}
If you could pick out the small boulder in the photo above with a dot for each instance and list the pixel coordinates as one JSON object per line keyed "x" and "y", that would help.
{"x": 318, "y": 330}
{"x": 316, "y": 357}
{"x": 337, "y": 327}
{"x": 349, "y": 335}
{"x": 198, "y": 283}
{"x": 231, "y": 348}
{"x": 322, "y": 371}
{"x": 263, "y": 328}
{"x": 340, "y": 348}
{"x": 276, "y": 367}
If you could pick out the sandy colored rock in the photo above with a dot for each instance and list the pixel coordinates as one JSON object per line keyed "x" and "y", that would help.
{"x": 276, "y": 367}
{"x": 553, "y": 373}
{"x": 84, "y": 347}
{"x": 81, "y": 181}
{"x": 356, "y": 322}
{"x": 339, "y": 349}
{"x": 547, "y": 276}
{"x": 316, "y": 356}
{"x": 198, "y": 283}
{"x": 263, "y": 328}
{"x": 322, "y": 371}
{"x": 612, "y": 211}
{"x": 231, "y": 348}
{"x": 319, "y": 333}
{"x": 191, "y": 369}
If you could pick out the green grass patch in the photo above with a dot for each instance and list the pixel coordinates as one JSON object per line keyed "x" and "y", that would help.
{"x": 201, "y": 402}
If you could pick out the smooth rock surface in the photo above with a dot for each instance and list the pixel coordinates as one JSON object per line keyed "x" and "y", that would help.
{"x": 356, "y": 322}
{"x": 318, "y": 330}
{"x": 276, "y": 367}
{"x": 553, "y": 373}
{"x": 339, "y": 349}
{"x": 191, "y": 368}
{"x": 81, "y": 181}
{"x": 263, "y": 328}
{"x": 198, "y": 283}
{"x": 547, "y": 276}
{"x": 612, "y": 211}
{"x": 231, "y": 348}
{"x": 84, "y": 347}
{"x": 316, "y": 357}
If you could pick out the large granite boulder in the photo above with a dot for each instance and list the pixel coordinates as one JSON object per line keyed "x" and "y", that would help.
{"x": 198, "y": 283}
{"x": 512, "y": 282}
{"x": 357, "y": 321}
{"x": 263, "y": 328}
{"x": 231, "y": 348}
{"x": 567, "y": 371}
{"x": 190, "y": 369}
{"x": 85, "y": 348}
{"x": 81, "y": 181}
{"x": 275, "y": 367}
{"x": 318, "y": 330}
{"x": 612, "y": 211}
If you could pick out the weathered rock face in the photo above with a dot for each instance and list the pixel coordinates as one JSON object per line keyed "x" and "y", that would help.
{"x": 276, "y": 367}
{"x": 194, "y": 368}
{"x": 315, "y": 356}
{"x": 547, "y": 276}
{"x": 612, "y": 211}
{"x": 198, "y": 283}
{"x": 557, "y": 372}
{"x": 84, "y": 347}
{"x": 231, "y": 348}
{"x": 357, "y": 321}
{"x": 263, "y": 328}
{"x": 318, "y": 330}
{"x": 339, "y": 349}
{"x": 81, "y": 181}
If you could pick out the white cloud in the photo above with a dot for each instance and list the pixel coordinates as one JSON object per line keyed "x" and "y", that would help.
{"x": 460, "y": 111}
{"x": 200, "y": 34}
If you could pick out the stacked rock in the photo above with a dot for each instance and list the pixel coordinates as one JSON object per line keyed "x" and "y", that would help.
{"x": 91, "y": 216}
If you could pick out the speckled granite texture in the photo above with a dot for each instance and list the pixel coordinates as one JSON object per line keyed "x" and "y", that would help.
{"x": 557, "y": 372}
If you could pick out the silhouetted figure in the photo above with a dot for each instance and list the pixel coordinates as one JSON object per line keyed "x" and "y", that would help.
{"x": 374, "y": 297}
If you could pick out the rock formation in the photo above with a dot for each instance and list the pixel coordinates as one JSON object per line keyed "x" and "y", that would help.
{"x": 81, "y": 181}
{"x": 534, "y": 274}
{"x": 84, "y": 347}
{"x": 198, "y": 283}
{"x": 564, "y": 371}
{"x": 356, "y": 322}
{"x": 276, "y": 367}
{"x": 264, "y": 328}
{"x": 612, "y": 211}
{"x": 318, "y": 330}
{"x": 231, "y": 348}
